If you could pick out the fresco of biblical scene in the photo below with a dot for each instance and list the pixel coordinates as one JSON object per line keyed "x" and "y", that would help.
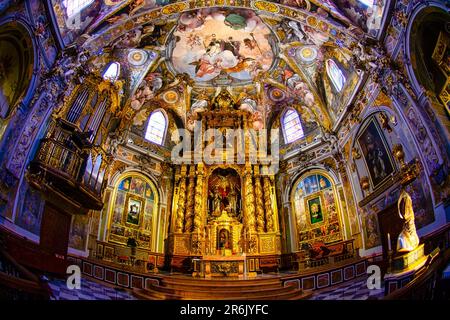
{"x": 79, "y": 232}
{"x": 375, "y": 153}
{"x": 368, "y": 14}
{"x": 371, "y": 231}
{"x": 315, "y": 210}
{"x": 132, "y": 213}
{"x": 219, "y": 41}
{"x": 30, "y": 212}
{"x": 225, "y": 193}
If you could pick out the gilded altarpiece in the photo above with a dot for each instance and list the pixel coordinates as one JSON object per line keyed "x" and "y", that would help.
{"x": 133, "y": 212}
{"x": 226, "y": 207}
{"x": 317, "y": 211}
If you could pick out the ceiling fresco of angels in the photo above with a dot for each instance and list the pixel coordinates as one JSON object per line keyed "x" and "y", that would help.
{"x": 218, "y": 42}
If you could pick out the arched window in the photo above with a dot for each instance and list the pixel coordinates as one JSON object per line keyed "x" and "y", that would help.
{"x": 335, "y": 74}
{"x": 368, "y": 3}
{"x": 112, "y": 72}
{"x": 156, "y": 127}
{"x": 292, "y": 126}
{"x": 74, "y": 7}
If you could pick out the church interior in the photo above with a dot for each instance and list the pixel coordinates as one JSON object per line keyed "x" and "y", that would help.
{"x": 224, "y": 149}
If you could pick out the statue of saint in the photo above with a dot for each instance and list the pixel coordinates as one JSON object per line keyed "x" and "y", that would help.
{"x": 232, "y": 200}
{"x": 217, "y": 202}
{"x": 407, "y": 239}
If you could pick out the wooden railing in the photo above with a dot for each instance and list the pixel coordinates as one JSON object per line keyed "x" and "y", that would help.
{"x": 59, "y": 157}
{"x": 423, "y": 286}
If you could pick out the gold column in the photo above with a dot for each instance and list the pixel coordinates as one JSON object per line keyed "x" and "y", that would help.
{"x": 190, "y": 201}
{"x": 181, "y": 201}
{"x": 198, "y": 210}
{"x": 249, "y": 200}
{"x": 259, "y": 202}
{"x": 268, "y": 203}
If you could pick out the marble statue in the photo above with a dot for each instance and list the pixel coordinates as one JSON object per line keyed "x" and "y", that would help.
{"x": 407, "y": 239}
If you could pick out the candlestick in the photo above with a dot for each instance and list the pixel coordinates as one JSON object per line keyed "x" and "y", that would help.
{"x": 389, "y": 241}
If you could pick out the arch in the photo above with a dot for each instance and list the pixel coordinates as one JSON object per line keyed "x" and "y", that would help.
{"x": 291, "y": 125}
{"x": 18, "y": 63}
{"x": 316, "y": 215}
{"x": 335, "y": 75}
{"x": 133, "y": 211}
{"x": 432, "y": 17}
{"x": 157, "y": 127}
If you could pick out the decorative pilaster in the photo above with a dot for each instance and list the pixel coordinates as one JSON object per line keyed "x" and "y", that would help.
{"x": 268, "y": 203}
{"x": 181, "y": 201}
{"x": 259, "y": 202}
{"x": 198, "y": 208}
{"x": 188, "y": 222}
{"x": 249, "y": 200}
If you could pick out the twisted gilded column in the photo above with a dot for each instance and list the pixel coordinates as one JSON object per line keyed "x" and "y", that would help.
{"x": 268, "y": 203}
{"x": 259, "y": 202}
{"x": 188, "y": 221}
{"x": 198, "y": 202}
{"x": 249, "y": 201}
{"x": 181, "y": 201}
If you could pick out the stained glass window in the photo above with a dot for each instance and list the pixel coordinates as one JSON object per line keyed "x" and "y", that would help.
{"x": 112, "y": 72}
{"x": 335, "y": 74}
{"x": 156, "y": 127}
{"x": 292, "y": 126}
{"x": 73, "y": 7}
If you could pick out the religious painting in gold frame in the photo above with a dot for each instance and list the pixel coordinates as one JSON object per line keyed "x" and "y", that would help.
{"x": 133, "y": 214}
{"x": 375, "y": 149}
{"x": 315, "y": 208}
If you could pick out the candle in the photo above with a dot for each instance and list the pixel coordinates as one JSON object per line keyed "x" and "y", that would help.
{"x": 389, "y": 241}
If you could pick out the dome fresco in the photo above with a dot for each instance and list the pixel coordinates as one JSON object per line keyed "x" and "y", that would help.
{"x": 212, "y": 42}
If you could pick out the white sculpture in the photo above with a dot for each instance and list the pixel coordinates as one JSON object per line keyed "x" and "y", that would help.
{"x": 407, "y": 239}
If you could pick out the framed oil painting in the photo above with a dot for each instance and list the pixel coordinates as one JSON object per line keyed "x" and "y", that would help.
{"x": 314, "y": 205}
{"x": 108, "y": 253}
{"x": 375, "y": 153}
{"x": 133, "y": 210}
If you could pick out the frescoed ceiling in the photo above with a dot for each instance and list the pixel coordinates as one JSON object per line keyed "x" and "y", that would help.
{"x": 272, "y": 53}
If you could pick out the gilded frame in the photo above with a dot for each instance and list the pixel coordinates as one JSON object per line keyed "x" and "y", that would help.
{"x": 385, "y": 145}
{"x": 308, "y": 200}
{"x": 133, "y": 198}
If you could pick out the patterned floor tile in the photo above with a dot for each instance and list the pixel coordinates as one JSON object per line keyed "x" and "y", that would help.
{"x": 89, "y": 291}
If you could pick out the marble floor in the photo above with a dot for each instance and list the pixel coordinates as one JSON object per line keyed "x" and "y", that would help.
{"x": 353, "y": 290}
{"x": 91, "y": 290}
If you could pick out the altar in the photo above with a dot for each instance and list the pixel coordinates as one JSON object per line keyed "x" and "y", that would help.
{"x": 220, "y": 266}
